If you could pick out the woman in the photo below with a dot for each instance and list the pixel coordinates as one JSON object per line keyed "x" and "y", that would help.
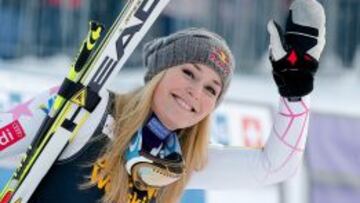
{"x": 145, "y": 145}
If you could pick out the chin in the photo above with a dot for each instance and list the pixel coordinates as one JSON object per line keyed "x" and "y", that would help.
{"x": 188, "y": 124}
{"x": 177, "y": 125}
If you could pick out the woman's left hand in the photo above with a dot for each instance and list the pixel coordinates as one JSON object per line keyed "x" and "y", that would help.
{"x": 295, "y": 54}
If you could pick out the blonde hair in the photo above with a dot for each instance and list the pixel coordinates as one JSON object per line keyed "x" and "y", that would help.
{"x": 131, "y": 110}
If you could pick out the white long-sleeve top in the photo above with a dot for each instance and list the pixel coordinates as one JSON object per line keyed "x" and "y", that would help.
{"x": 236, "y": 167}
{"x": 228, "y": 167}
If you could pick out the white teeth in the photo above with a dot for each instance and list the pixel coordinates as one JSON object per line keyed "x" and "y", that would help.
{"x": 183, "y": 103}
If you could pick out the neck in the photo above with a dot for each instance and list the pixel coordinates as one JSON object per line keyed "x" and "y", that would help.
{"x": 157, "y": 127}
{"x": 166, "y": 122}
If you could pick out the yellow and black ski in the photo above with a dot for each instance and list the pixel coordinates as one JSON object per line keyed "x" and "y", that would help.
{"x": 79, "y": 93}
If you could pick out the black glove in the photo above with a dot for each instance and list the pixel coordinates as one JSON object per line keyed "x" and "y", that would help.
{"x": 295, "y": 55}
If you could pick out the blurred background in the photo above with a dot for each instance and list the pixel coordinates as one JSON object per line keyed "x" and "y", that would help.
{"x": 38, "y": 39}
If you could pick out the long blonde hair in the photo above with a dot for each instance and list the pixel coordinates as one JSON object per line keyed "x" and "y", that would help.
{"x": 131, "y": 110}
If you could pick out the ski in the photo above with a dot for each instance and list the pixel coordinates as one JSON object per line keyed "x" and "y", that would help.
{"x": 41, "y": 137}
{"x": 79, "y": 93}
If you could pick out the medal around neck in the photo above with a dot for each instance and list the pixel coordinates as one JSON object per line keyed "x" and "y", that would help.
{"x": 153, "y": 157}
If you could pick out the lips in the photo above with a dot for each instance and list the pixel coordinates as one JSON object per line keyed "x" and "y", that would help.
{"x": 182, "y": 103}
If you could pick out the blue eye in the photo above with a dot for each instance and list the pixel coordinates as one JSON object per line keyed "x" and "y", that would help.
{"x": 188, "y": 73}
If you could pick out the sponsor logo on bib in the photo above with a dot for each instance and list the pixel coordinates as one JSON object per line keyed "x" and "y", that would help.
{"x": 10, "y": 134}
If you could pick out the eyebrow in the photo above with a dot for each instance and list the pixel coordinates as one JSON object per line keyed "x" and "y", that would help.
{"x": 197, "y": 67}
{"x": 200, "y": 70}
{"x": 217, "y": 83}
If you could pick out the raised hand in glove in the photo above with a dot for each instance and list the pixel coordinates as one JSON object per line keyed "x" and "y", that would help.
{"x": 295, "y": 54}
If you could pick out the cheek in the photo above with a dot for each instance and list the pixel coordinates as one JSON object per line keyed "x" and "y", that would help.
{"x": 159, "y": 96}
{"x": 207, "y": 106}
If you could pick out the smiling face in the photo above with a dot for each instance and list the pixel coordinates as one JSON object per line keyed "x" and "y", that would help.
{"x": 185, "y": 95}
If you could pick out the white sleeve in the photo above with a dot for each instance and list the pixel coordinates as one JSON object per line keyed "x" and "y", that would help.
{"x": 18, "y": 126}
{"x": 278, "y": 160}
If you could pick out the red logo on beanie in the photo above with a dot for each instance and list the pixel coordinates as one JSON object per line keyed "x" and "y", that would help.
{"x": 220, "y": 59}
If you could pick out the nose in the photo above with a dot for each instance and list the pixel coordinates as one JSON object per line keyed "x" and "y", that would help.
{"x": 194, "y": 91}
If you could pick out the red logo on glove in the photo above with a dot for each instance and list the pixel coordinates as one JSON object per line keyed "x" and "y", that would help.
{"x": 10, "y": 134}
{"x": 292, "y": 57}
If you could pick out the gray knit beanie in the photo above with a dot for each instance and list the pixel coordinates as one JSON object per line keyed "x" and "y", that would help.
{"x": 192, "y": 45}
